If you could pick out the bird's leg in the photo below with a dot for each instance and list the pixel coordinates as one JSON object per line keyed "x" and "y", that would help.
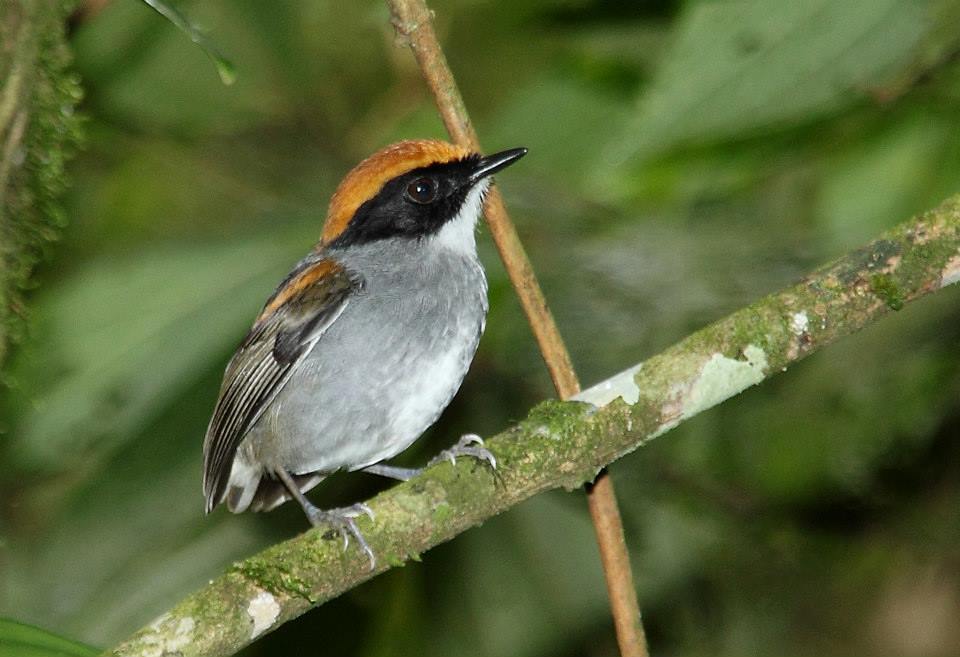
{"x": 342, "y": 520}
{"x": 392, "y": 471}
{"x": 468, "y": 445}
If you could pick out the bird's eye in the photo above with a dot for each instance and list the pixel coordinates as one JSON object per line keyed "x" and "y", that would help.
{"x": 422, "y": 190}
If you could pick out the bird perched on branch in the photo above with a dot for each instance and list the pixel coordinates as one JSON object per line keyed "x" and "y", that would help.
{"x": 365, "y": 342}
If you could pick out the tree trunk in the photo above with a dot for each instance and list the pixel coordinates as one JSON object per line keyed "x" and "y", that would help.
{"x": 38, "y": 133}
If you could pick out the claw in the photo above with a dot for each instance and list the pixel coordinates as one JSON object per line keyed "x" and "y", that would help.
{"x": 352, "y": 511}
{"x": 469, "y": 445}
{"x": 487, "y": 455}
{"x": 343, "y": 522}
{"x": 359, "y": 508}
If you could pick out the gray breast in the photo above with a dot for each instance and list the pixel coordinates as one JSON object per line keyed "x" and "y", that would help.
{"x": 384, "y": 371}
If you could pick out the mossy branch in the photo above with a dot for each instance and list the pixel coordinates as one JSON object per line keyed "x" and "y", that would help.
{"x": 38, "y": 133}
{"x": 564, "y": 444}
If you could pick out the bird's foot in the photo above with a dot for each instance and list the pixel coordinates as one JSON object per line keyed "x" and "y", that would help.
{"x": 468, "y": 445}
{"x": 343, "y": 521}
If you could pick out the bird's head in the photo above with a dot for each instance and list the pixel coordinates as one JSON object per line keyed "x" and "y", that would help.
{"x": 413, "y": 189}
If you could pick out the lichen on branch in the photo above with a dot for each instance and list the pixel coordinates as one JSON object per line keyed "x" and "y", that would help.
{"x": 564, "y": 444}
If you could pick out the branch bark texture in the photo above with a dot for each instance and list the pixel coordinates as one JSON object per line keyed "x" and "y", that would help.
{"x": 564, "y": 444}
{"x": 38, "y": 133}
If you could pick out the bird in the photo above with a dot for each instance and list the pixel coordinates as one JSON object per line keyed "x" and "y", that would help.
{"x": 364, "y": 343}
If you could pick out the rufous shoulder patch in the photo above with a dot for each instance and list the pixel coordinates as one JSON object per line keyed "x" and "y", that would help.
{"x": 367, "y": 178}
{"x": 298, "y": 284}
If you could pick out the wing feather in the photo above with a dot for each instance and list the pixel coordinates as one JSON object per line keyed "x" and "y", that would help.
{"x": 291, "y": 323}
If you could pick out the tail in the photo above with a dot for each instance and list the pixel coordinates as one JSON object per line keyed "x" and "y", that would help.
{"x": 250, "y": 488}
{"x": 239, "y": 489}
{"x": 271, "y": 493}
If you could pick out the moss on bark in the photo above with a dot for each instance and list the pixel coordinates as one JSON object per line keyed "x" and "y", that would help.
{"x": 39, "y": 131}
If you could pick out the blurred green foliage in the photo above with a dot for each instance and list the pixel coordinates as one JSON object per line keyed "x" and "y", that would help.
{"x": 686, "y": 158}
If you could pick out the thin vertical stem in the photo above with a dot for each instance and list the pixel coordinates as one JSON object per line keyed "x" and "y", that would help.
{"x": 413, "y": 22}
{"x": 615, "y": 558}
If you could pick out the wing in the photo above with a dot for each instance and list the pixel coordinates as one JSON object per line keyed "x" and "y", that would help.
{"x": 292, "y": 321}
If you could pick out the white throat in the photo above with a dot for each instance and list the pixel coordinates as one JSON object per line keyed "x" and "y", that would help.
{"x": 459, "y": 234}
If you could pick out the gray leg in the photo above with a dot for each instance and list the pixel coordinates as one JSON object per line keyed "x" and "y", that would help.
{"x": 392, "y": 471}
{"x": 341, "y": 520}
{"x": 468, "y": 445}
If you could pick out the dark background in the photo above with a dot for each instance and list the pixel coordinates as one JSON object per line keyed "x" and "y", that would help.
{"x": 685, "y": 159}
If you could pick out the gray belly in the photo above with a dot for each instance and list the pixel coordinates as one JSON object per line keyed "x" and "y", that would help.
{"x": 379, "y": 376}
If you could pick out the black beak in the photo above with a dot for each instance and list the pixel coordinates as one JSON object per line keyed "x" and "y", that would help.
{"x": 489, "y": 165}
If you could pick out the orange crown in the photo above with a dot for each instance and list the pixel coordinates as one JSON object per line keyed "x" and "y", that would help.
{"x": 367, "y": 178}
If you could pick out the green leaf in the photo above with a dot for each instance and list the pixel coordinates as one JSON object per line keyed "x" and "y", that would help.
{"x": 739, "y": 67}
{"x": 560, "y": 148}
{"x": 870, "y": 185}
{"x": 20, "y": 640}
{"x": 225, "y": 69}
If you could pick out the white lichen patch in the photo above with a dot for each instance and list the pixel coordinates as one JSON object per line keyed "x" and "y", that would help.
{"x": 544, "y": 432}
{"x": 166, "y": 638}
{"x": 951, "y": 272}
{"x": 723, "y": 377}
{"x": 181, "y": 636}
{"x": 799, "y": 323}
{"x": 666, "y": 426}
{"x": 159, "y": 622}
{"x": 263, "y": 610}
{"x": 621, "y": 385}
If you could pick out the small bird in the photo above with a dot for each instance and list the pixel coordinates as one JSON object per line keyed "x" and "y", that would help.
{"x": 366, "y": 340}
